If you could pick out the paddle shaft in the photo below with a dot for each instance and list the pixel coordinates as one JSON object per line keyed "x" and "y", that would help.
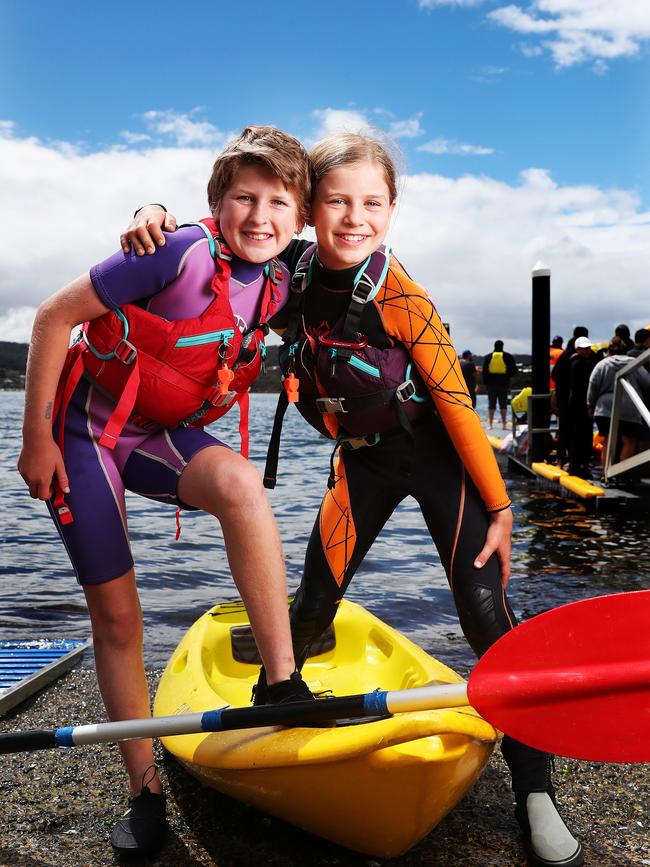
{"x": 371, "y": 704}
{"x": 573, "y": 681}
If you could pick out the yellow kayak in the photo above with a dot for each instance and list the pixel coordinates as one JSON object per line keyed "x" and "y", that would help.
{"x": 378, "y": 786}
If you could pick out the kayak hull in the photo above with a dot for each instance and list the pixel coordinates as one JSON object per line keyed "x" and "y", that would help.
{"x": 377, "y": 787}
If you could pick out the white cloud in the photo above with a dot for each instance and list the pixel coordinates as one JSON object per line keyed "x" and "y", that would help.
{"x": 331, "y": 120}
{"x": 471, "y": 241}
{"x": 455, "y": 148}
{"x": 410, "y": 128}
{"x": 63, "y": 209}
{"x": 177, "y": 128}
{"x": 575, "y": 31}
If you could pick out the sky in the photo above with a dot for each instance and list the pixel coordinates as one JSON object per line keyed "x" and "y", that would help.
{"x": 523, "y": 130}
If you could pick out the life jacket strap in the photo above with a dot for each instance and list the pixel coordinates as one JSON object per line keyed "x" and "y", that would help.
{"x": 244, "y": 434}
{"x": 339, "y": 405}
{"x": 68, "y": 381}
{"x": 123, "y": 408}
{"x": 273, "y": 452}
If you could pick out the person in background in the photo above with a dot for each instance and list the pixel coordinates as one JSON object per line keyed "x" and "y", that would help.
{"x": 561, "y": 379}
{"x": 498, "y": 369}
{"x": 470, "y": 374}
{"x": 554, "y": 352}
{"x": 623, "y": 331}
{"x": 600, "y": 395}
{"x": 581, "y": 424}
{"x": 641, "y": 343}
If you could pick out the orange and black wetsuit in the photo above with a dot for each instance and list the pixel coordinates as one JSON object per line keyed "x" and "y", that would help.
{"x": 443, "y": 460}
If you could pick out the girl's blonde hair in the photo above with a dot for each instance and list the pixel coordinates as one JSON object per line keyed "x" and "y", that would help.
{"x": 347, "y": 148}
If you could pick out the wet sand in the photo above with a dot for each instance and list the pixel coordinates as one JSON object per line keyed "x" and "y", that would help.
{"x": 57, "y": 809}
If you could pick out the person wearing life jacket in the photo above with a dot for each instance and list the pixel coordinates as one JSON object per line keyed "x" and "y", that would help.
{"x": 170, "y": 343}
{"x": 554, "y": 352}
{"x": 498, "y": 369}
{"x": 368, "y": 363}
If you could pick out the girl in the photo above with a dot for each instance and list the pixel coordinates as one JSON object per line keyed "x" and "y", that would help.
{"x": 376, "y": 371}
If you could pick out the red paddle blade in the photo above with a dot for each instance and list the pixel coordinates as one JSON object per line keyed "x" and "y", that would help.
{"x": 573, "y": 681}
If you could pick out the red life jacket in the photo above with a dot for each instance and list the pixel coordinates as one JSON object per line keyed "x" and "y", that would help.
{"x": 180, "y": 373}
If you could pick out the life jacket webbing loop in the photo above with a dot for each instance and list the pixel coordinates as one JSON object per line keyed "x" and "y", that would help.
{"x": 271, "y": 468}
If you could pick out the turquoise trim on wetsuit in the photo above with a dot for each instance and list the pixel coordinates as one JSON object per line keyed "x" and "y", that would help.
{"x": 208, "y": 235}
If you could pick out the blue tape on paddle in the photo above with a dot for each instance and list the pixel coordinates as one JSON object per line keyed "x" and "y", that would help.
{"x": 374, "y": 703}
{"x": 63, "y": 737}
{"x": 211, "y": 721}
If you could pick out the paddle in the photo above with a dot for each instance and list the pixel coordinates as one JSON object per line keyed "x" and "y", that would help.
{"x": 574, "y": 681}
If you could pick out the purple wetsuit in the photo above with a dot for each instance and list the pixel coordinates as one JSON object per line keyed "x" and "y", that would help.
{"x": 173, "y": 283}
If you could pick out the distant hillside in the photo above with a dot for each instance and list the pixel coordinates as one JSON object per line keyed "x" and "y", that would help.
{"x": 13, "y": 359}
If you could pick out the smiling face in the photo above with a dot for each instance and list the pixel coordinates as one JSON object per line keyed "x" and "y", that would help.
{"x": 351, "y": 212}
{"x": 257, "y": 214}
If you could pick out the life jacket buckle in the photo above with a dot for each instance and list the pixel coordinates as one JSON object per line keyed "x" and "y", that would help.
{"x": 405, "y": 391}
{"x": 125, "y": 351}
{"x": 360, "y": 442}
{"x": 330, "y": 404}
{"x": 363, "y": 290}
{"x": 215, "y": 398}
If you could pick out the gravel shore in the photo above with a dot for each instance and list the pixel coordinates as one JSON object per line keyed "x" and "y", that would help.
{"x": 57, "y": 808}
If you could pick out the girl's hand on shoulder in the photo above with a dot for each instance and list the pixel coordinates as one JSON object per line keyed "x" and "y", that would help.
{"x": 145, "y": 232}
{"x": 40, "y": 464}
{"x": 498, "y": 541}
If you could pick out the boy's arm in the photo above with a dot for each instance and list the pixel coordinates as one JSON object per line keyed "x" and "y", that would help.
{"x": 145, "y": 231}
{"x": 40, "y": 460}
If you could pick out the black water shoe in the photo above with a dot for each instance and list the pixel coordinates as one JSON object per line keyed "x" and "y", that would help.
{"x": 142, "y": 829}
{"x": 293, "y": 689}
{"x": 548, "y": 841}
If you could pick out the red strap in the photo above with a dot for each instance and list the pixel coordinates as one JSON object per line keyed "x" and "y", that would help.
{"x": 70, "y": 376}
{"x": 243, "y": 423}
{"x": 123, "y": 410}
{"x": 178, "y": 524}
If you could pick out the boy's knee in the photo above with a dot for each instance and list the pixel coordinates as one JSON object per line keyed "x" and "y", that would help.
{"x": 237, "y": 486}
{"x": 118, "y": 629}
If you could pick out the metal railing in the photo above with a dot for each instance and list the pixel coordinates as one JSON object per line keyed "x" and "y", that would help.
{"x": 621, "y": 384}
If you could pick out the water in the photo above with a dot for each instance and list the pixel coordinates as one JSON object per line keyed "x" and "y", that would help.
{"x": 561, "y": 552}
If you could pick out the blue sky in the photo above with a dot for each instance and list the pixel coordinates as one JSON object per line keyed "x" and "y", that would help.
{"x": 530, "y": 116}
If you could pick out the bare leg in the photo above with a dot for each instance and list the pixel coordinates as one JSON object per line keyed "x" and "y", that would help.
{"x": 116, "y": 620}
{"x": 491, "y": 418}
{"x": 228, "y": 486}
{"x": 628, "y": 447}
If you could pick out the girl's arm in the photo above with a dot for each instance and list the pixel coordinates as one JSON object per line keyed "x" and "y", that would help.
{"x": 40, "y": 459}
{"x": 145, "y": 231}
{"x": 410, "y": 317}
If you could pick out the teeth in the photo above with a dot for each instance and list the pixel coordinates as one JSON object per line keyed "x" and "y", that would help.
{"x": 260, "y": 237}
{"x": 353, "y": 238}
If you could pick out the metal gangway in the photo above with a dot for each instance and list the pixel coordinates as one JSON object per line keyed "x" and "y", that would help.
{"x": 621, "y": 385}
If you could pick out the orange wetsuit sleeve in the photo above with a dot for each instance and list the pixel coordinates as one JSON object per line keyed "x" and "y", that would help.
{"x": 409, "y": 316}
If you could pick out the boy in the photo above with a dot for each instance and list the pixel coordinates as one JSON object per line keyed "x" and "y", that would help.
{"x": 114, "y": 438}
